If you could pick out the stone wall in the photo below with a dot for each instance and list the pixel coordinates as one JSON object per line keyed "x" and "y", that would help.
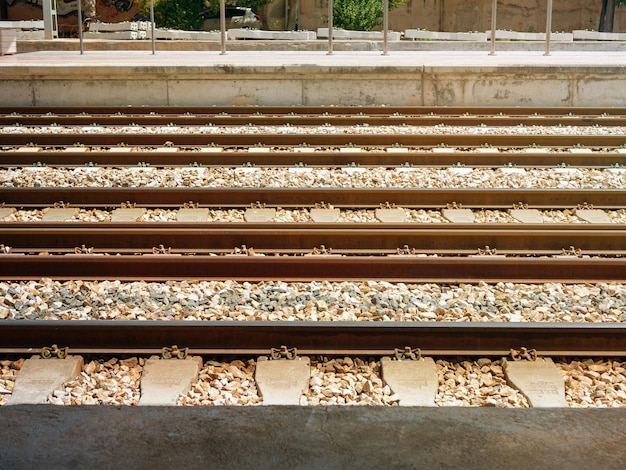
{"x": 465, "y": 15}
{"x": 434, "y": 15}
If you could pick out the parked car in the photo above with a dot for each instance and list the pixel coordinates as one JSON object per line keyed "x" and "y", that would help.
{"x": 236, "y": 17}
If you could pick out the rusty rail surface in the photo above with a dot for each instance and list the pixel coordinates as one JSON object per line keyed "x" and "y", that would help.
{"x": 497, "y": 198}
{"x": 488, "y": 269}
{"x": 344, "y": 115}
{"x": 327, "y": 338}
{"x": 278, "y": 237}
{"x": 316, "y": 139}
{"x": 185, "y": 157}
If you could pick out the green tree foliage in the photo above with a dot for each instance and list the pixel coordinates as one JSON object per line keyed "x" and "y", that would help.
{"x": 361, "y": 15}
{"x": 188, "y": 14}
{"x": 175, "y": 14}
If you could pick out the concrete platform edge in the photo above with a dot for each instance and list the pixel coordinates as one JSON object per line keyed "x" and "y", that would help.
{"x": 313, "y": 79}
{"x": 43, "y": 436}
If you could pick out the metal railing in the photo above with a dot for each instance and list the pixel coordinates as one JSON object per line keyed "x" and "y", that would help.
{"x": 492, "y": 38}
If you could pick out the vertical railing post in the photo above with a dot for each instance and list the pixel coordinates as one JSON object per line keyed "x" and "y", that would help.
{"x": 50, "y": 25}
{"x": 548, "y": 26}
{"x": 223, "y": 26}
{"x": 286, "y": 14}
{"x": 494, "y": 9}
{"x": 385, "y": 25}
{"x": 330, "y": 27}
{"x": 152, "y": 27}
{"x": 80, "y": 25}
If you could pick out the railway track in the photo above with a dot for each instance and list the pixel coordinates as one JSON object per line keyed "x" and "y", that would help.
{"x": 166, "y": 156}
{"x": 499, "y": 198}
{"x": 260, "y": 268}
{"x": 308, "y": 126}
{"x": 114, "y": 138}
{"x": 310, "y": 115}
{"x": 61, "y": 127}
{"x": 449, "y": 253}
{"x": 316, "y": 338}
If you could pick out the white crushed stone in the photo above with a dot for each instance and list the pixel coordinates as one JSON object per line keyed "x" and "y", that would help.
{"x": 421, "y": 216}
{"x": 111, "y": 382}
{"x": 594, "y": 383}
{"x": 312, "y": 301}
{"x": 599, "y": 383}
{"x": 8, "y": 373}
{"x": 324, "y": 129}
{"x": 373, "y": 177}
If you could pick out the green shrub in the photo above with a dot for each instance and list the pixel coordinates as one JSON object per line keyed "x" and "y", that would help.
{"x": 361, "y": 15}
{"x": 175, "y": 14}
{"x": 188, "y": 14}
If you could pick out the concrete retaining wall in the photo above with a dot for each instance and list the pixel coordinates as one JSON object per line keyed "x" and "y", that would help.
{"x": 307, "y": 84}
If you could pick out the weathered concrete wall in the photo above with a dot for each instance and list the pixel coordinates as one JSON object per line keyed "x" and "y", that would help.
{"x": 309, "y": 84}
{"x": 475, "y": 15}
{"x": 526, "y": 15}
{"x": 434, "y": 15}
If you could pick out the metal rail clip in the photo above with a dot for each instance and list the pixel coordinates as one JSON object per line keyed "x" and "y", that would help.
{"x": 524, "y": 354}
{"x": 174, "y": 352}
{"x": 128, "y": 205}
{"x": 572, "y": 251}
{"x": 191, "y": 205}
{"x": 387, "y": 205}
{"x": 61, "y": 205}
{"x": 244, "y": 250}
{"x": 584, "y": 205}
{"x": 83, "y": 250}
{"x": 454, "y": 205}
{"x": 257, "y": 205}
{"x": 322, "y": 250}
{"x": 283, "y": 353}
{"x": 520, "y": 206}
{"x": 4, "y": 249}
{"x": 161, "y": 250}
{"x": 407, "y": 354}
{"x": 406, "y": 250}
{"x": 323, "y": 205}
{"x": 54, "y": 351}
{"x": 487, "y": 251}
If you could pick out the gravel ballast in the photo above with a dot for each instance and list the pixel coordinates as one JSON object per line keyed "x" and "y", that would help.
{"x": 47, "y": 299}
{"x": 373, "y": 177}
{"x": 340, "y": 381}
{"x": 421, "y": 216}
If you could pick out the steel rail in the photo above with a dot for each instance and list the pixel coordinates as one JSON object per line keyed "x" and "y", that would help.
{"x": 185, "y": 157}
{"x": 490, "y": 269}
{"x": 110, "y": 236}
{"x": 497, "y": 198}
{"x": 376, "y": 140}
{"x": 313, "y": 338}
{"x": 309, "y": 120}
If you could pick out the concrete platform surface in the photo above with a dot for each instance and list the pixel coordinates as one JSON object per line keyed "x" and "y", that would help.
{"x": 50, "y": 437}
{"x": 309, "y": 61}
